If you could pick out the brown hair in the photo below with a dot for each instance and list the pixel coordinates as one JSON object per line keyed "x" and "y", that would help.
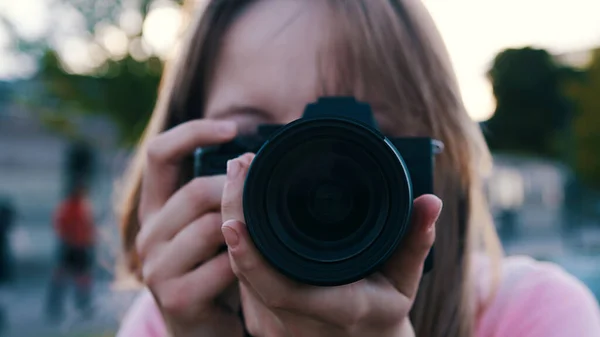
{"x": 393, "y": 48}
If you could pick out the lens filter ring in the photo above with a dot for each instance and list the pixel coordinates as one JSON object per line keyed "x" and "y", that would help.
{"x": 327, "y": 201}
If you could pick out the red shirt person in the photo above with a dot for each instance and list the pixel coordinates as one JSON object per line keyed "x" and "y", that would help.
{"x": 75, "y": 231}
{"x": 74, "y": 224}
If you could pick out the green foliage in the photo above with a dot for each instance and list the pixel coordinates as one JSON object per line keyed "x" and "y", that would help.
{"x": 531, "y": 113}
{"x": 124, "y": 91}
{"x": 586, "y": 124}
{"x": 547, "y": 109}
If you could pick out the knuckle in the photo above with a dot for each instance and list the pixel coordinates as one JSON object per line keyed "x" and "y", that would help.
{"x": 197, "y": 190}
{"x": 142, "y": 239}
{"x": 175, "y": 301}
{"x": 226, "y": 207}
{"x": 431, "y": 241}
{"x": 246, "y": 263}
{"x": 260, "y": 330}
{"x": 151, "y": 275}
{"x": 203, "y": 236}
{"x": 277, "y": 301}
{"x": 141, "y": 245}
{"x": 209, "y": 229}
{"x": 143, "y": 211}
{"x": 230, "y": 188}
{"x": 253, "y": 328}
{"x": 355, "y": 315}
{"x": 226, "y": 202}
{"x": 252, "y": 324}
{"x": 425, "y": 244}
{"x": 214, "y": 220}
{"x": 236, "y": 270}
{"x": 154, "y": 149}
{"x": 421, "y": 253}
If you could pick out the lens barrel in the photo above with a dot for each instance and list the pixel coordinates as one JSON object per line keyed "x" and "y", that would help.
{"x": 327, "y": 200}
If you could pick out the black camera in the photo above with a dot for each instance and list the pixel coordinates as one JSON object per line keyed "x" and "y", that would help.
{"x": 328, "y": 197}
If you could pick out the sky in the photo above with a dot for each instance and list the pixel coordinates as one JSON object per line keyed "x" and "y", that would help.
{"x": 474, "y": 32}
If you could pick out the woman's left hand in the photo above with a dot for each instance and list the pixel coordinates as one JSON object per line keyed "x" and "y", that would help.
{"x": 375, "y": 306}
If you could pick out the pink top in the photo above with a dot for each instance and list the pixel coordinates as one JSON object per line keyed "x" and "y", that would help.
{"x": 534, "y": 299}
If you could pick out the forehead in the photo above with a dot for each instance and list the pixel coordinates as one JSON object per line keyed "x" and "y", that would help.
{"x": 270, "y": 57}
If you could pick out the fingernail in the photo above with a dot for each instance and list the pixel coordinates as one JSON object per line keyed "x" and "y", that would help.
{"x": 233, "y": 168}
{"x": 231, "y": 237}
{"x": 226, "y": 127}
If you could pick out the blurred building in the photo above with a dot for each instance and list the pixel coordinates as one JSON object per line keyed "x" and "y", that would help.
{"x": 530, "y": 191}
{"x": 538, "y": 195}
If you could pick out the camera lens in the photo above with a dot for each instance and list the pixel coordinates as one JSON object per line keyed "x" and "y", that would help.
{"x": 330, "y": 204}
{"x": 326, "y": 213}
{"x": 327, "y": 201}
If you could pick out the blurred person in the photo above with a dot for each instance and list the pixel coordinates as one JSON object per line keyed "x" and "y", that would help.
{"x": 7, "y": 219}
{"x": 75, "y": 230}
{"x": 251, "y": 62}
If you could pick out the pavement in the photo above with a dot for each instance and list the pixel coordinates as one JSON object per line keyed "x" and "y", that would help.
{"x": 22, "y": 301}
{"x": 23, "y": 308}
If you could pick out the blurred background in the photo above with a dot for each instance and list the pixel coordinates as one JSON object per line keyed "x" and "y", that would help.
{"x": 79, "y": 78}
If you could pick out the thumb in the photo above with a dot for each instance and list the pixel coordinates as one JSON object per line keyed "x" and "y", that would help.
{"x": 405, "y": 267}
{"x": 231, "y": 202}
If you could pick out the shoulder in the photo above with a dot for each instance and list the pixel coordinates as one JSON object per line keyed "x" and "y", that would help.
{"x": 143, "y": 319}
{"x": 538, "y": 299}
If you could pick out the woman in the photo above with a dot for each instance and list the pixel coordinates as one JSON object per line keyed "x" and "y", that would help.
{"x": 252, "y": 62}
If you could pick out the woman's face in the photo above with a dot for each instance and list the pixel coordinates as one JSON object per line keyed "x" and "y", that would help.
{"x": 268, "y": 68}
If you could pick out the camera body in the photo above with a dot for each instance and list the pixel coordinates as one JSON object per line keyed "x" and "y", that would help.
{"x": 328, "y": 197}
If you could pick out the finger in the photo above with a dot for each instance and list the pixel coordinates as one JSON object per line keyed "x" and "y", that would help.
{"x": 230, "y": 297}
{"x": 250, "y": 266}
{"x": 257, "y": 317}
{"x": 196, "y": 243}
{"x": 231, "y": 204}
{"x": 165, "y": 152}
{"x": 196, "y": 198}
{"x": 199, "y": 287}
{"x": 405, "y": 267}
{"x": 336, "y": 305}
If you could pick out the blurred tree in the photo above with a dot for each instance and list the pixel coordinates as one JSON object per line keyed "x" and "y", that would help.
{"x": 124, "y": 91}
{"x": 586, "y": 124}
{"x": 531, "y": 112}
{"x": 121, "y": 73}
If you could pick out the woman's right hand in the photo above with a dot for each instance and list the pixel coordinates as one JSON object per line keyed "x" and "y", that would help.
{"x": 180, "y": 236}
